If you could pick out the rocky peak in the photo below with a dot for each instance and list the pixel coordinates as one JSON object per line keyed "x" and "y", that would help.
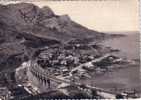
{"x": 23, "y": 14}
{"x": 47, "y": 12}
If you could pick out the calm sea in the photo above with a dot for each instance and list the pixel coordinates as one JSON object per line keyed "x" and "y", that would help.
{"x": 128, "y": 45}
{"x": 125, "y": 78}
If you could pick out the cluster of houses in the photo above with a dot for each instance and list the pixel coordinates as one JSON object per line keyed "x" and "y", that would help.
{"x": 63, "y": 59}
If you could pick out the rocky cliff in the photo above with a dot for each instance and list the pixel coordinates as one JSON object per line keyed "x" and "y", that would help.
{"x": 26, "y": 17}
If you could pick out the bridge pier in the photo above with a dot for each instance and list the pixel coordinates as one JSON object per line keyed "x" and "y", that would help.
{"x": 38, "y": 77}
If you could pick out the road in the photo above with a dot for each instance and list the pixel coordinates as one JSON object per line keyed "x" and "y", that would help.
{"x": 88, "y": 63}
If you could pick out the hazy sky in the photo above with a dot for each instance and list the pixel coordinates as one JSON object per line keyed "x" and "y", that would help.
{"x": 108, "y": 15}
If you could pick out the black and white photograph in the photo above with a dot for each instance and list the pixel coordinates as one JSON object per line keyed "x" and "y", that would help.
{"x": 69, "y": 49}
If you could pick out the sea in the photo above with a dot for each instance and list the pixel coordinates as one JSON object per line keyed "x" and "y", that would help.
{"x": 129, "y": 45}
{"x": 127, "y": 78}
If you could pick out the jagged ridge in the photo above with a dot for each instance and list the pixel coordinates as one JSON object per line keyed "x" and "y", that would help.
{"x": 26, "y": 17}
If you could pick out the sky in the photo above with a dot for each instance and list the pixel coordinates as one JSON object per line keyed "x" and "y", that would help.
{"x": 100, "y": 15}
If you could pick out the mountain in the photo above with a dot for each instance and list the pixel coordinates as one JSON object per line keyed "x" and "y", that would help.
{"x": 42, "y": 22}
{"x": 26, "y": 25}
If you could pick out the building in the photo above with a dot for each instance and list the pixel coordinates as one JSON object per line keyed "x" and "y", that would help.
{"x": 4, "y": 93}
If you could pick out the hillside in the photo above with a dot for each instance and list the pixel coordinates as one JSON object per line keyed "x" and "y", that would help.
{"x": 25, "y": 25}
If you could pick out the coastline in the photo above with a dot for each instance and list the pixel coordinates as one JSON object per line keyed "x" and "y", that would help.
{"x": 119, "y": 79}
